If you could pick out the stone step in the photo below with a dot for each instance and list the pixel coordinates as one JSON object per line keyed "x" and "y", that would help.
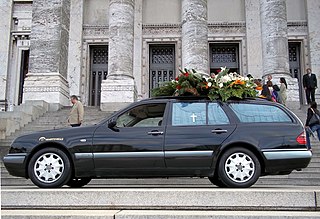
{"x": 154, "y": 214}
{"x": 289, "y": 198}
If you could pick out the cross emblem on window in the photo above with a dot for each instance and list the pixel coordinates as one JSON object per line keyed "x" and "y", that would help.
{"x": 193, "y": 117}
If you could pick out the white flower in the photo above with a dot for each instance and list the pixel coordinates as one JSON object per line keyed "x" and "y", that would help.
{"x": 220, "y": 85}
{"x": 223, "y": 68}
{"x": 173, "y": 81}
{"x": 209, "y": 84}
{"x": 226, "y": 79}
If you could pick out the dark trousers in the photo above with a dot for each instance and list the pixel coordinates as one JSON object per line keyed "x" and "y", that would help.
{"x": 310, "y": 92}
{"x": 75, "y": 125}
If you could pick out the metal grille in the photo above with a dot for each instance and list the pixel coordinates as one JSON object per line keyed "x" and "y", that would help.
{"x": 224, "y": 55}
{"x": 294, "y": 59}
{"x": 161, "y": 64}
{"x": 294, "y": 65}
{"x": 99, "y": 72}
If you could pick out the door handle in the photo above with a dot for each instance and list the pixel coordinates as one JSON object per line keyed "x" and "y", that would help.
{"x": 155, "y": 133}
{"x": 219, "y": 131}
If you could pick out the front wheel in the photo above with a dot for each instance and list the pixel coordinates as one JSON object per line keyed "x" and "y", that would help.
{"x": 49, "y": 168}
{"x": 239, "y": 168}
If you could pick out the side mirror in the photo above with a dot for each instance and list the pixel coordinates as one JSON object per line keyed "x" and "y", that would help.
{"x": 112, "y": 125}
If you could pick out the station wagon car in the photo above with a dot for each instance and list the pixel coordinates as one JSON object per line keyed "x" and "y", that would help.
{"x": 232, "y": 143}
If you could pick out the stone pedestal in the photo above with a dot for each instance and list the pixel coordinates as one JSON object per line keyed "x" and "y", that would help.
{"x": 48, "y": 60}
{"x": 117, "y": 94}
{"x": 50, "y": 87}
{"x": 313, "y": 13}
{"x": 5, "y": 27}
{"x": 253, "y": 37}
{"x": 119, "y": 88}
{"x": 195, "y": 35}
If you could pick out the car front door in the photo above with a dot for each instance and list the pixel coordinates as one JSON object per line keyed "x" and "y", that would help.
{"x": 134, "y": 145}
{"x": 194, "y": 132}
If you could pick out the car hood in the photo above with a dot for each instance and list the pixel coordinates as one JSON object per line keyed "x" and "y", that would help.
{"x": 25, "y": 143}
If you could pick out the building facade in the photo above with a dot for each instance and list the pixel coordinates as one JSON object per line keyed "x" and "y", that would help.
{"x": 113, "y": 52}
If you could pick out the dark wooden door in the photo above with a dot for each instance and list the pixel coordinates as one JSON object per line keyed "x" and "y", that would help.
{"x": 162, "y": 64}
{"x": 98, "y": 72}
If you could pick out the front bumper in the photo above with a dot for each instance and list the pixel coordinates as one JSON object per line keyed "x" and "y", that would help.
{"x": 286, "y": 160}
{"x": 16, "y": 164}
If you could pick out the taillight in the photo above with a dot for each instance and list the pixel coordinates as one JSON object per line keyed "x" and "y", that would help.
{"x": 301, "y": 139}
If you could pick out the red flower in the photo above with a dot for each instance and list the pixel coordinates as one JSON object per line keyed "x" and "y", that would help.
{"x": 177, "y": 78}
{"x": 186, "y": 74}
{"x": 219, "y": 70}
{"x": 178, "y": 87}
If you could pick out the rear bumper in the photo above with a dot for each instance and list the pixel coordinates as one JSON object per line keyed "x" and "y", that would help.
{"x": 286, "y": 160}
{"x": 15, "y": 164}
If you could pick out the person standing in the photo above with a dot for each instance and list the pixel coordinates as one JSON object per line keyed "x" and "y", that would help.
{"x": 315, "y": 127}
{"x": 283, "y": 91}
{"x": 310, "y": 85}
{"x": 76, "y": 114}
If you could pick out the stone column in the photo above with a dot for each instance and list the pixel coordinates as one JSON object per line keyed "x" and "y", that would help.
{"x": 313, "y": 13}
{"x": 48, "y": 63}
{"x": 5, "y": 27}
{"x": 253, "y": 37}
{"x": 75, "y": 46}
{"x": 137, "y": 58}
{"x": 195, "y": 35}
{"x": 119, "y": 88}
{"x": 274, "y": 35}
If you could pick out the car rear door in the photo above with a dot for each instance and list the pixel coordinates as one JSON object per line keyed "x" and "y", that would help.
{"x": 195, "y": 130}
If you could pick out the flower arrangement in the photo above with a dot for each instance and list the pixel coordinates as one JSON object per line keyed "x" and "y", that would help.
{"x": 222, "y": 86}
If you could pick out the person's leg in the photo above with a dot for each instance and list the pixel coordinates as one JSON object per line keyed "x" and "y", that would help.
{"x": 312, "y": 91}
{"x": 308, "y": 140}
{"x": 317, "y": 128}
{"x": 308, "y": 95}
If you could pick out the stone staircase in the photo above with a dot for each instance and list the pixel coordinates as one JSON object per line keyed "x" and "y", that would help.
{"x": 55, "y": 120}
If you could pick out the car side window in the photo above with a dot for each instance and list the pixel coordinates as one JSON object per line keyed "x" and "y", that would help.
{"x": 259, "y": 113}
{"x": 185, "y": 114}
{"x": 216, "y": 115}
{"x": 149, "y": 115}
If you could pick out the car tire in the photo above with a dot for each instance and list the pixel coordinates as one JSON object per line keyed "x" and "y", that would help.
{"x": 216, "y": 181}
{"x": 49, "y": 168}
{"x": 78, "y": 182}
{"x": 239, "y": 168}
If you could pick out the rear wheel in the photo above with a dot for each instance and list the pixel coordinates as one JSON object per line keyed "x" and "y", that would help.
{"x": 239, "y": 168}
{"x": 49, "y": 168}
{"x": 78, "y": 182}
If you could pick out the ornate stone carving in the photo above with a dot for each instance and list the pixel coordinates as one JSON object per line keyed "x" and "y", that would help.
{"x": 161, "y": 29}
{"x": 95, "y": 30}
{"x": 297, "y": 27}
{"x": 226, "y": 28}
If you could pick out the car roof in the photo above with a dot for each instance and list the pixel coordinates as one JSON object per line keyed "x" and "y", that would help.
{"x": 201, "y": 98}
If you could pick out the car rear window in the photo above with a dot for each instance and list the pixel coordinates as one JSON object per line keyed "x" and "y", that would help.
{"x": 259, "y": 113}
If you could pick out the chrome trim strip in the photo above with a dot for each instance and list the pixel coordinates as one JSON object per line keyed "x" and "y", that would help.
{"x": 128, "y": 154}
{"x": 188, "y": 153}
{"x": 278, "y": 155}
{"x": 16, "y": 154}
{"x": 14, "y": 158}
{"x": 292, "y": 149}
{"x": 147, "y": 154}
{"x": 83, "y": 155}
